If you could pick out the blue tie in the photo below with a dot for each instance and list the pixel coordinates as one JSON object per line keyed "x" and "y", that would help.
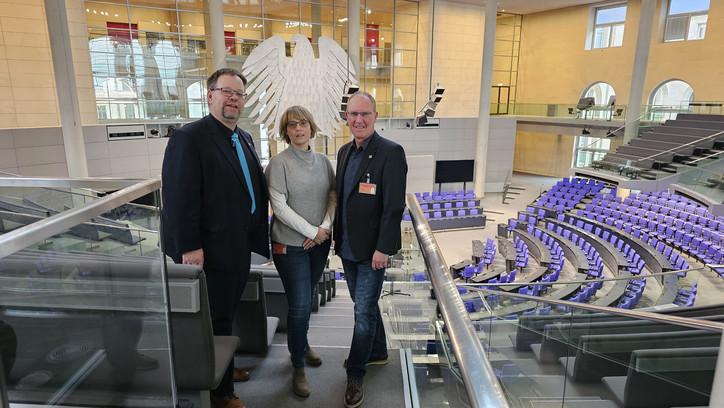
{"x": 245, "y": 168}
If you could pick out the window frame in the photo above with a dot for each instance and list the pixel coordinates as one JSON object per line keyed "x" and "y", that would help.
{"x": 611, "y": 26}
{"x": 689, "y": 16}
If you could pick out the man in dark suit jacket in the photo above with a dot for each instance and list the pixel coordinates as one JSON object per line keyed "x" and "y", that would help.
{"x": 210, "y": 216}
{"x": 371, "y": 177}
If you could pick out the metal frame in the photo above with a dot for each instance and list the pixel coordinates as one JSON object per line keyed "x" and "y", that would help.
{"x": 23, "y": 237}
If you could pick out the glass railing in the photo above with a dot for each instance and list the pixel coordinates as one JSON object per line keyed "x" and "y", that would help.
{"x": 84, "y": 319}
{"x": 569, "y": 111}
{"x": 543, "y": 350}
{"x": 425, "y": 305}
{"x": 706, "y": 178}
{"x": 546, "y": 350}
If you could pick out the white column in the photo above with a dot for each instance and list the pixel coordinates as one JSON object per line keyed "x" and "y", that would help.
{"x": 638, "y": 77}
{"x": 216, "y": 31}
{"x": 71, "y": 126}
{"x": 353, "y": 29}
{"x": 486, "y": 81}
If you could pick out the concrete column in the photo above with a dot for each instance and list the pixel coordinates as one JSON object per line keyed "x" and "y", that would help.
{"x": 316, "y": 21}
{"x": 638, "y": 77}
{"x": 71, "y": 126}
{"x": 353, "y": 29}
{"x": 486, "y": 81}
{"x": 216, "y": 31}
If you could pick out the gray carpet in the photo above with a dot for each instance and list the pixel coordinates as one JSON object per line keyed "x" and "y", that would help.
{"x": 330, "y": 334}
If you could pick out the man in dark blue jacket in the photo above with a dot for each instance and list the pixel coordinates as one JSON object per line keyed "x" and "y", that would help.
{"x": 371, "y": 178}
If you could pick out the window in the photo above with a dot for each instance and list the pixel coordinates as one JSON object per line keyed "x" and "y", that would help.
{"x": 669, "y": 98}
{"x": 601, "y": 92}
{"x": 608, "y": 27}
{"x": 589, "y": 149}
{"x": 686, "y": 20}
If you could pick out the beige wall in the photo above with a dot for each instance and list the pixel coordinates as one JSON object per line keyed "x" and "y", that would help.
{"x": 457, "y": 56}
{"x": 555, "y": 67}
{"x": 543, "y": 153}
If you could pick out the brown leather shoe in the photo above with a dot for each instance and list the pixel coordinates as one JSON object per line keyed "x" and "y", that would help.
{"x": 226, "y": 402}
{"x": 241, "y": 375}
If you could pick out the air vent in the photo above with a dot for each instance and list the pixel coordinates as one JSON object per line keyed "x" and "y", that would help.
{"x": 125, "y": 132}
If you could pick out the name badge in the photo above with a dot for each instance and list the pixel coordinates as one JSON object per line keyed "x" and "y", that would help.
{"x": 279, "y": 249}
{"x": 368, "y": 188}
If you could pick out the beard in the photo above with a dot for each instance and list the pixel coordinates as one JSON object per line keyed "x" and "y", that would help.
{"x": 229, "y": 114}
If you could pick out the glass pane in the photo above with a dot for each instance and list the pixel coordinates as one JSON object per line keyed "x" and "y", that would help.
{"x": 382, "y": 5}
{"x": 242, "y": 27}
{"x": 600, "y": 37}
{"x": 402, "y": 58}
{"x": 317, "y": 14}
{"x": 617, "y": 36}
{"x": 245, "y": 8}
{"x": 688, "y": 6}
{"x": 697, "y": 27}
{"x": 282, "y": 10}
{"x": 85, "y": 307}
{"x": 191, "y": 5}
{"x": 96, "y": 15}
{"x": 610, "y": 15}
{"x": 155, "y": 19}
{"x": 676, "y": 28}
{"x": 192, "y": 23}
{"x": 377, "y": 19}
{"x": 404, "y": 22}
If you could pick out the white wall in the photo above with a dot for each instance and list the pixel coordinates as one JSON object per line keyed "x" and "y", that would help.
{"x": 456, "y": 139}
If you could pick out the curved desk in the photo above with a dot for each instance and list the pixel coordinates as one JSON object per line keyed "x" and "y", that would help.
{"x": 610, "y": 255}
{"x": 573, "y": 253}
{"x": 653, "y": 259}
{"x": 537, "y": 248}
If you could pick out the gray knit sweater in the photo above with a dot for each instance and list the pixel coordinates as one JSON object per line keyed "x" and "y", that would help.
{"x": 302, "y": 194}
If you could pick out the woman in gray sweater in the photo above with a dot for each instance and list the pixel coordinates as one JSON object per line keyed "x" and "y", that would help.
{"x": 303, "y": 199}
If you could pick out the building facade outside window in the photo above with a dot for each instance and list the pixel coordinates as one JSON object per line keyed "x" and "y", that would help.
{"x": 608, "y": 26}
{"x": 686, "y": 20}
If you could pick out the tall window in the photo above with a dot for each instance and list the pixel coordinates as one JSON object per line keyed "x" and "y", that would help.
{"x": 668, "y": 98}
{"x": 686, "y": 20}
{"x": 608, "y": 27}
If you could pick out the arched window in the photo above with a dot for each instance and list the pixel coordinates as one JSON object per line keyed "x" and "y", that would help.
{"x": 669, "y": 97}
{"x": 601, "y": 92}
{"x": 196, "y": 93}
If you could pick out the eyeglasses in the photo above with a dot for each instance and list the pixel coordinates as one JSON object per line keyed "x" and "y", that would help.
{"x": 228, "y": 92}
{"x": 357, "y": 114}
{"x": 302, "y": 123}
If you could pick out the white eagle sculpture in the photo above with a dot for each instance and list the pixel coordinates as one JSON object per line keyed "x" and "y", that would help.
{"x": 277, "y": 82}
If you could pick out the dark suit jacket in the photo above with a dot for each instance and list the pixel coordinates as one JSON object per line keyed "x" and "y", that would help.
{"x": 373, "y": 220}
{"x": 206, "y": 202}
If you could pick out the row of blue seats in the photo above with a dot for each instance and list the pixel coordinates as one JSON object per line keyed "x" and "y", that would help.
{"x": 444, "y": 195}
{"x": 660, "y": 245}
{"x": 448, "y": 205}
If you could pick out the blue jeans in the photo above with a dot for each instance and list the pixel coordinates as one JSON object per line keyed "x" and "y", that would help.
{"x": 300, "y": 270}
{"x": 368, "y": 339}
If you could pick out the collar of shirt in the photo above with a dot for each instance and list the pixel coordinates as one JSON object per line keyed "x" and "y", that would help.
{"x": 362, "y": 148}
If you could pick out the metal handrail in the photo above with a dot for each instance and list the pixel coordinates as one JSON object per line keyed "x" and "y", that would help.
{"x": 478, "y": 375}
{"x": 23, "y": 237}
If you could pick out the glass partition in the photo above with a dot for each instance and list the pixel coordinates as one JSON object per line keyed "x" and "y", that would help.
{"x": 83, "y": 294}
{"x": 543, "y": 349}
{"x": 624, "y": 341}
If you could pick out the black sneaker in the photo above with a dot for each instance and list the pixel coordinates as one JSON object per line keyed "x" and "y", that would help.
{"x": 373, "y": 361}
{"x": 354, "y": 395}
